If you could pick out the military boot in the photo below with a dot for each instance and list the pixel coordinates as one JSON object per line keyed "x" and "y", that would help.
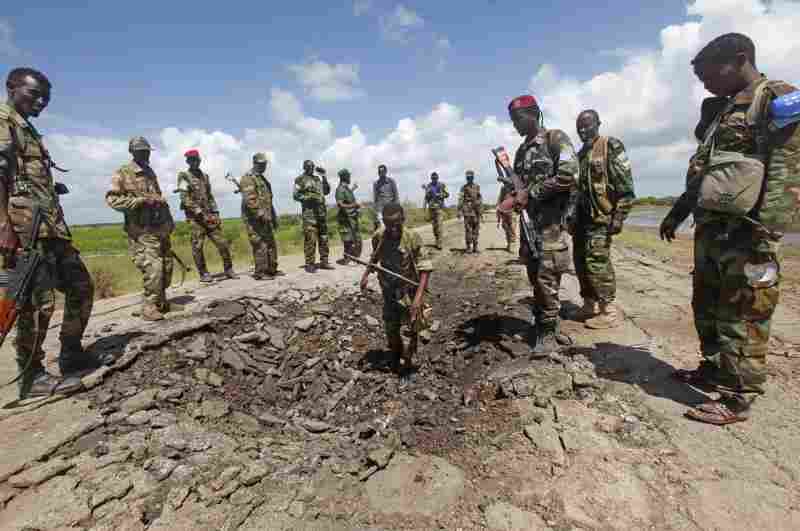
{"x": 326, "y": 265}
{"x": 609, "y": 317}
{"x": 41, "y": 384}
{"x": 151, "y": 312}
{"x": 310, "y": 268}
{"x": 205, "y": 277}
{"x": 229, "y": 273}
{"x": 589, "y": 309}
{"x": 73, "y": 359}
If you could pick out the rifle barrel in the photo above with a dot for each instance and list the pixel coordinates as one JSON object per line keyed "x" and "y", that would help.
{"x": 382, "y": 269}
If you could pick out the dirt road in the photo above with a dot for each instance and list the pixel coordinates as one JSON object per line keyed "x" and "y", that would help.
{"x": 268, "y": 406}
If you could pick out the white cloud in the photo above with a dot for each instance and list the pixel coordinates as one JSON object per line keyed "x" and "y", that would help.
{"x": 327, "y": 82}
{"x": 8, "y": 47}
{"x": 652, "y": 101}
{"x": 398, "y": 25}
{"x": 361, "y": 7}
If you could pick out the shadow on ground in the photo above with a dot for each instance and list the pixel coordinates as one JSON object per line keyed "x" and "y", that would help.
{"x": 636, "y": 365}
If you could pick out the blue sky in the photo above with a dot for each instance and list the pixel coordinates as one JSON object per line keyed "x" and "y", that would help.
{"x": 293, "y": 78}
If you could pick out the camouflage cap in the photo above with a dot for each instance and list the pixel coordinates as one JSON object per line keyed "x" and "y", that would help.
{"x": 139, "y": 143}
{"x": 470, "y": 173}
{"x": 260, "y": 157}
{"x": 344, "y": 172}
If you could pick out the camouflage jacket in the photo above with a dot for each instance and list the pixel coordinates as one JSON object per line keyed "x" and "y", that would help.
{"x": 310, "y": 190}
{"x": 549, "y": 168}
{"x": 405, "y": 256}
{"x": 435, "y": 195}
{"x": 257, "y": 200}
{"x": 131, "y": 185}
{"x": 470, "y": 201}
{"x": 604, "y": 192}
{"x": 505, "y": 190}
{"x": 780, "y": 201}
{"x": 345, "y": 195}
{"x": 197, "y": 200}
{"x": 30, "y": 179}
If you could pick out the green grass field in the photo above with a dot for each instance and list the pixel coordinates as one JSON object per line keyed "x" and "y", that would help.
{"x": 105, "y": 247}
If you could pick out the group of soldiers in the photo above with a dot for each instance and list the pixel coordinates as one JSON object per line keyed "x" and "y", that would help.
{"x": 556, "y": 192}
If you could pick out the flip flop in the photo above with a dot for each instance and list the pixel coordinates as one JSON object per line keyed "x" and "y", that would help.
{"x": 717, "y": 412}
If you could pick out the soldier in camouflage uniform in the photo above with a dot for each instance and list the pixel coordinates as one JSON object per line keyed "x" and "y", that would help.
{"x": 470, "y": 206}
{"x": 200, "y": 207}
{"x": 26, "y": 181}
{"x": 605, "y": 197}
{"x": 310, "y": 190}
{"x": 546, "y": 168}
{"x": 435, "y": 194}
{"x": 148, "y": 222}
{"x": 401, "y": 251}
{"x": 347, "y": 217}
{"x": 506, "y": 217}
{"x": 737, "y": 262}
{"x": 260, "y": 219}
{"x": 384, "y": 191}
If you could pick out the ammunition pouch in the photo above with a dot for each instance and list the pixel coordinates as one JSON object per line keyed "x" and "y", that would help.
{"x": 152, "y": 216}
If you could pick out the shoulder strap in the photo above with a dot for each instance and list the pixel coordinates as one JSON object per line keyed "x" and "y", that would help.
{"x": 600, "y": 153}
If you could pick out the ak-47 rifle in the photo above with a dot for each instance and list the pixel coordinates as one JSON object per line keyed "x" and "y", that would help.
{"x": 382, "y": 269}
{"x": 16, "y": 283}
{"x": 232, "y": 179}
{"x": 506, "y": 175}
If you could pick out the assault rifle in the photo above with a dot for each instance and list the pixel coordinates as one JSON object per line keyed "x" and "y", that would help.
{"x": 18, "y": 280}
{"x": 506, "y": 175}
{"x": 232, "y": 179}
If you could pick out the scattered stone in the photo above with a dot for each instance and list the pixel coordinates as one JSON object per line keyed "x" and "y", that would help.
{"x": 213, "y": 409}
{"x": 104, "y": 397}
{"x": 580, "y": 379}
{"x": 160, "y": 468}
{"x": 435, "y": 326}
{"x": 322, "y": 309}
{"x": 316, "y": 426}
{"x": 39, "y": 474}
{"x": 381, "y": 457}
{"x": 253, "y": 474}
{"x": 163, "y": 419}
{"x": 113, "y": 458}
{"x": 269, "y": 312}
{"x": 505, "y": 517}
{"x": 252, "y": 337}
{"x": 304, "y": 325}
{"x": 276, "y": 337}
{"x": 242, "y": 497}
{"x": 177, "y": 496}
{"x": 247, "y": 423}
{"x": 371, "y": 321}
{"x": 233, "y": 360}
{"x": 427, "y": 394}
{"x": 170, "y": 394}
{"x": 545, "y": 439}
{"x": 225, "y": 477}
{"x": 57, "y": 504}
{"x": 140, "y": 402}
{"x": 297, "y": 509}
{"x": 174, "y": 440}
{"x": 196, "y": 350}
{"x": 206, "y": 376}
{"x": 110, "y": 490}
{"x": 271, "y": 420}
{"x": 140, "y": 418}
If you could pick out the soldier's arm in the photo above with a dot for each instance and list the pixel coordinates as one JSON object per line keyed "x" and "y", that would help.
{"x": 8, "y": 239}
{"x": 781, "y": 200}
{"x": 299, "y": 190}
{"x": 188, "y": 203}
{"x": 121, "y": 199}
{"x": 566, "y": 176}
{"x": 460, "y": 200}
{"x": 212, "y": 201}
{"x": 620, "y": 177}
{"x": 249, "y": 193}
{"x": 395, "y": 193}
{"x": 326, "y": 187}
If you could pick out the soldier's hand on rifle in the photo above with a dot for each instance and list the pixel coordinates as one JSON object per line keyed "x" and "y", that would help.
{"x": 521, "y": 199}
{"x": 615, "y": 227}
{"x": 9, "y": 242}
{"x": 414, "y": 311}
{"x": 364, "y": 281}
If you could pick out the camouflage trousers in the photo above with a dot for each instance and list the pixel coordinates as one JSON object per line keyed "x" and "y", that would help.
{"x": 397, "y": 301}
{"x": 200, "y": 232}
{"x": 351, "y": 235}
{"x": 731, "y": 316}
{"x": 472, "y": 229}
{"x": 545, "y": 276}
{"x": 436, "y": 223}
{"x": 62, "y": 269}
{"x": 315, "y": 233}
{"x": 152, "y": 255}
{"x": 265, "y": 251}
{"x": 591, "y": 253}
{"x": 508, "y": 222}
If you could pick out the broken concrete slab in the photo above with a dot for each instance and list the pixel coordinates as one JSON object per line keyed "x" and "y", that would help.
{"x": 424, "y": 485}
{"x": 41, "y": 473}
{"x": 503, "y": 516}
